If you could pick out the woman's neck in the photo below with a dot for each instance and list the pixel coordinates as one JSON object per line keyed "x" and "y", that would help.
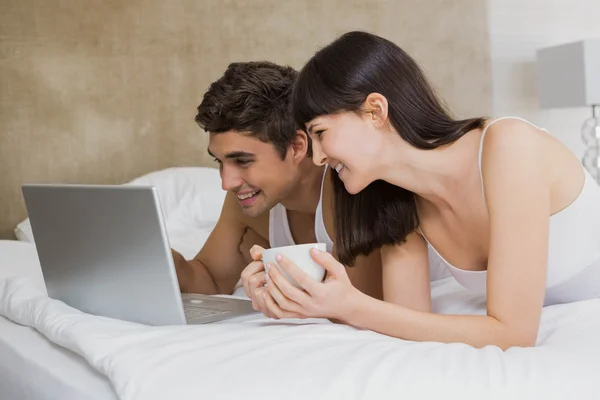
{"x": 439, "y": 175}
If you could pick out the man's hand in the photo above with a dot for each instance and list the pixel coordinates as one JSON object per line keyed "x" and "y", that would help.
{"x": 254, "y": 279}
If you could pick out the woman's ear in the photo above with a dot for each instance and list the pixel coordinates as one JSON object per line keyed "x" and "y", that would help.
{"x": 377, "y": 106}
{"x": 300, "y": 146}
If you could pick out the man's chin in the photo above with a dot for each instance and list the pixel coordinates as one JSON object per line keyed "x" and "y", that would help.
{"x": 258, "y": 208}
{"x": 253, "y": 211}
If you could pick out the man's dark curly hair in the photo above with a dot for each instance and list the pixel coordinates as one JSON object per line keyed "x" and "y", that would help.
{"x": 253, "y": 98}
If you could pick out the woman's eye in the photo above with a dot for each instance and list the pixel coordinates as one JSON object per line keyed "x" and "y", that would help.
{"x": 319, "y": 133}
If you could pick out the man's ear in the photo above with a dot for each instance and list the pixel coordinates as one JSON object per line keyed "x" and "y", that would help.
{"x": 300, "y": 146}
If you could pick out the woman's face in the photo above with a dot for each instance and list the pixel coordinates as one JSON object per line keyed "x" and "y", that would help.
{"x": 350, "y": 143}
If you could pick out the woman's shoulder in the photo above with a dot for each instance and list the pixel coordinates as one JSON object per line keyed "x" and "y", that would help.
{"x": 506, "y": 138}
{"x": 517, "y": 149}
{"x": 511, "y": 137}
{"x": 508, "y": 132}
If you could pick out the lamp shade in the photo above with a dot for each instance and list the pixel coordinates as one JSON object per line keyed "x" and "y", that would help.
{"x": 569, "y": 74}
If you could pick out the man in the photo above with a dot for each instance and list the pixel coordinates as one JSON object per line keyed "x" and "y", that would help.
{"x": 276, "y": 196}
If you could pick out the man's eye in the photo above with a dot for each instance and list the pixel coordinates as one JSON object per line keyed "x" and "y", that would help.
{"x": 217, "y": 160}
{"x": 244, "y": 163}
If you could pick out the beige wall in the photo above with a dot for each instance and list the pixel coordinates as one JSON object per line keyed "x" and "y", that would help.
{"x": 104, "y": 91}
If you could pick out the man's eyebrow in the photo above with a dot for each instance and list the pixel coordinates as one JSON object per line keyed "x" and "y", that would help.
{"x": 239, "y": 154}
{"x": 234, "y": 154}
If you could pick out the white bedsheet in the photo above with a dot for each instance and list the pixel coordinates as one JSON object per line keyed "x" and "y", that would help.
{"x": 266, "y": 359}
{"x": 31, "y": 367}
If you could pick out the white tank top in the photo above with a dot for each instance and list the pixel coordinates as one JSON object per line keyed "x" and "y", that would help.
{"x": 279, "y": 228}
{"x": 573, "y": 272}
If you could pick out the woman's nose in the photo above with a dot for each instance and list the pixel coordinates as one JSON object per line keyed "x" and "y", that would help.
{"x": 318, "y": 156}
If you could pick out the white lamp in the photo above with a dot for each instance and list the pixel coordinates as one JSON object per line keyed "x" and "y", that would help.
{"x": 569, "y": 76}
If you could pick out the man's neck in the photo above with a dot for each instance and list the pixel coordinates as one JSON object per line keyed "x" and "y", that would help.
{"x": 304, "y": 197}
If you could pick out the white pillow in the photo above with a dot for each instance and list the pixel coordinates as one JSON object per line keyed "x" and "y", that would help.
{"x": 20, "y": 258}
{"x": 191, "y": 199}
{"x": 23, "y": 231}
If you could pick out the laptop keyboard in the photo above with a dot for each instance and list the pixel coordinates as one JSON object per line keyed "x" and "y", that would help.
{"x": 192, "y": 313}
{"x": 211, "y": 308}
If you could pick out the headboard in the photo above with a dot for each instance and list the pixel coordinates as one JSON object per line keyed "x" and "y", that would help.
{"x": 102, "y": 92}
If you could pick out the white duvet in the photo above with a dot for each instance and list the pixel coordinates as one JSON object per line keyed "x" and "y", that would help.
{"x": 258, "y": 358}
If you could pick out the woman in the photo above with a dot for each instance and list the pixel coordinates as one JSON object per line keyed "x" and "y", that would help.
{"x": 508, "y": 209}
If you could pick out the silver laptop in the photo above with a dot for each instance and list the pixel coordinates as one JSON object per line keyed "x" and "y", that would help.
{"x": 104, "y": 250}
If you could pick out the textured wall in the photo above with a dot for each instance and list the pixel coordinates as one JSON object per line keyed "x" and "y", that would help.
{"x": 102, "y": 91}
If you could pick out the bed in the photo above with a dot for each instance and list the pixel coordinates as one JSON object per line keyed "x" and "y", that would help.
{"x": 52, "y": 351}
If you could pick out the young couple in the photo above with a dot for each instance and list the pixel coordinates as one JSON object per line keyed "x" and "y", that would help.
{"x": 498, "y": 203}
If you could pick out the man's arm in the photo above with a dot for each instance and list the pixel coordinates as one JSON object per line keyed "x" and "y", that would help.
{"x": 217, "y": 267}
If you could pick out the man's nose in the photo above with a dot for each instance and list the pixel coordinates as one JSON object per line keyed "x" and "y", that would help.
{"x": 230, "y": 178}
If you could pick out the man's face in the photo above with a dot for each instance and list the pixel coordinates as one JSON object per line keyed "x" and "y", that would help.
{"x": 252, "y": 170}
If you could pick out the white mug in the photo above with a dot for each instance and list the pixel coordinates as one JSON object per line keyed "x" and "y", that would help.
{"x": 299, "y": 255}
